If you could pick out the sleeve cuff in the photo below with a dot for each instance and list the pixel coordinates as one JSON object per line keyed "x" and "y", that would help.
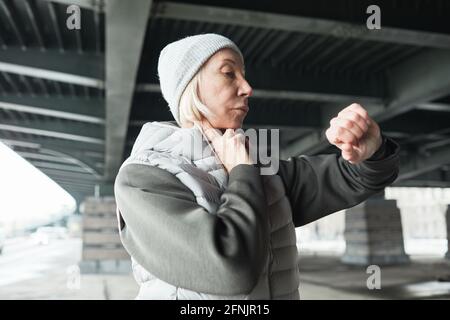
{"x": 381, "y": 152}
{"x": 388, "y": 151}
{"x": 244, "y": 170}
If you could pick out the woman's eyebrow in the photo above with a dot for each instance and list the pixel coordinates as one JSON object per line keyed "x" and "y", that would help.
{"x": 224, "y": 62}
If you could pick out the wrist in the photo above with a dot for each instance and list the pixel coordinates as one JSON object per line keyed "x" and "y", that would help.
{"x": 381, "y": 150}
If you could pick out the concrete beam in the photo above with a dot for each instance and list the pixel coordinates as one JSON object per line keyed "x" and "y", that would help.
{"x": 309, "y": 140}
{"x": 423, "y": 163}
{"x": 310, "y": 25}
{"x": 67, "y": 174}
{"x": 69, "y": 181}
{"x": 83, "y": 110}
{"x": 88, "y": 157}
{"x": 37, "y": 142}
{"x": 85, "y": 70}
{"x": 78, "y": 158}
{"x": 289, "y": 94}
{"x": 434, "y": 106}
{"x": 124, "y": 42}
{"x": 75, "y": 191}
{"x": 418, "y": 80}
{"x": 73, "y": 131}
{"x": 442, "y": 142}
{"x": 52, "y": 165}
{"x": 441, "y": 175}
{"x": 411, "y": 83}
{"x": 74, "y": 158}
{"x": 422, "y": 183}
{"x": 73, "y": 186}
{"x": 46, "y": 157}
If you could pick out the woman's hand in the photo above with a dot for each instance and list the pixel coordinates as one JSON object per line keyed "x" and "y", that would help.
{"x": 355, "y": 133}
{"x": 229, "y": 147}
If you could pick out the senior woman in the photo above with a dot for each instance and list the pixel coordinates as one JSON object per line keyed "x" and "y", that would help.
{"x": 195, "y": 213}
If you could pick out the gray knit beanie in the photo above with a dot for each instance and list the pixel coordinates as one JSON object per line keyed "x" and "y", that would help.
{"x": 179, "y": 61}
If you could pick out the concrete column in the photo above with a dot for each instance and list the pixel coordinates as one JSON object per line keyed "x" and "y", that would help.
{"x": 102, "y": 250}
{"x": 447, "y": 219}
{"x": 373, "y": 233}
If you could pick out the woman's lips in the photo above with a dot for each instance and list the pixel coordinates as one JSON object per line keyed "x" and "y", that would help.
{"x": 243, "y": 108}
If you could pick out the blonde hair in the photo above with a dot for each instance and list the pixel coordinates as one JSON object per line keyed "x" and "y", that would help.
{"x": 191, "y": 109}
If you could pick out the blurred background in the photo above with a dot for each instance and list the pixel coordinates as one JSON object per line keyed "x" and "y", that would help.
{"x": 78, "y": 80}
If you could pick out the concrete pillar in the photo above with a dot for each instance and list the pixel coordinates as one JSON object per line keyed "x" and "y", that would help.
{"x": 373, "y": 233}
{"x": 447, "y": 219}
{"x": 102, "y": 250}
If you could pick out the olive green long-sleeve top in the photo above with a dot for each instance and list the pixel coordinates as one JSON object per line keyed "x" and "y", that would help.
{"x": 178, "y": 241}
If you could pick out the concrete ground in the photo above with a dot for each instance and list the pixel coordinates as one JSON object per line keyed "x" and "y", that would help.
{"x": 325, "y": 277}
{"x": 30, "y": 271}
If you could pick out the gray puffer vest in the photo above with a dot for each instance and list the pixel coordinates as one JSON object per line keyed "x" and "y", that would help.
{"x": 185, "y": 153}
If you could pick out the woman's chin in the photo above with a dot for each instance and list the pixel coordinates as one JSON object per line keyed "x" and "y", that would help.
{"x": 234, "y": 124}
{"x": 238, "y": 122}
{"x": 237, "y": 125}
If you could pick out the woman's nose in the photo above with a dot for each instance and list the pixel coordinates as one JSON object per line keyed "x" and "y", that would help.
{"x": 246, "y": 89}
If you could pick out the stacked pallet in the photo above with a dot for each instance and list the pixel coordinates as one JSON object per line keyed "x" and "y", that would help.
{"x": 102, "y": 250}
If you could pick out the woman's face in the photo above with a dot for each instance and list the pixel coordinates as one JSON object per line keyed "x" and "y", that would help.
{"x": 224, "y": 90}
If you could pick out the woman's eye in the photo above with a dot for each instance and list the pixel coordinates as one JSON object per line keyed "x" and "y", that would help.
{"x": 230, "y": 74}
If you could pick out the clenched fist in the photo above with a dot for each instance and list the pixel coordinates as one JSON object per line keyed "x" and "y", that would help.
{"x": 355, "y": 133}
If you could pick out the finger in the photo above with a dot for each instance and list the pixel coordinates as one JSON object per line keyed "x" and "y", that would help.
{"x": 338, "y": 135}
{"x": 345, "y": 147}
{"x": 355, "y": 117}
{"x": 239, "y": 131}
{"x": 356, "y": 107}
{"x": 229, "y": 133}
{"x": 347, "y": 124}
{"x": 240, "y": 137}
{"x": 348, "y": 152}
{"x": 347, "y": 155}
{"x": 210, "y": 132}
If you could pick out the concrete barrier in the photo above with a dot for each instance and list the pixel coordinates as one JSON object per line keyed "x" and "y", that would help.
{"x": 102, "y": 250}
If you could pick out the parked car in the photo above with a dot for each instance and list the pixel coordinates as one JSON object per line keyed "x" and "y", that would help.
{"x": 43, "y": 235}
